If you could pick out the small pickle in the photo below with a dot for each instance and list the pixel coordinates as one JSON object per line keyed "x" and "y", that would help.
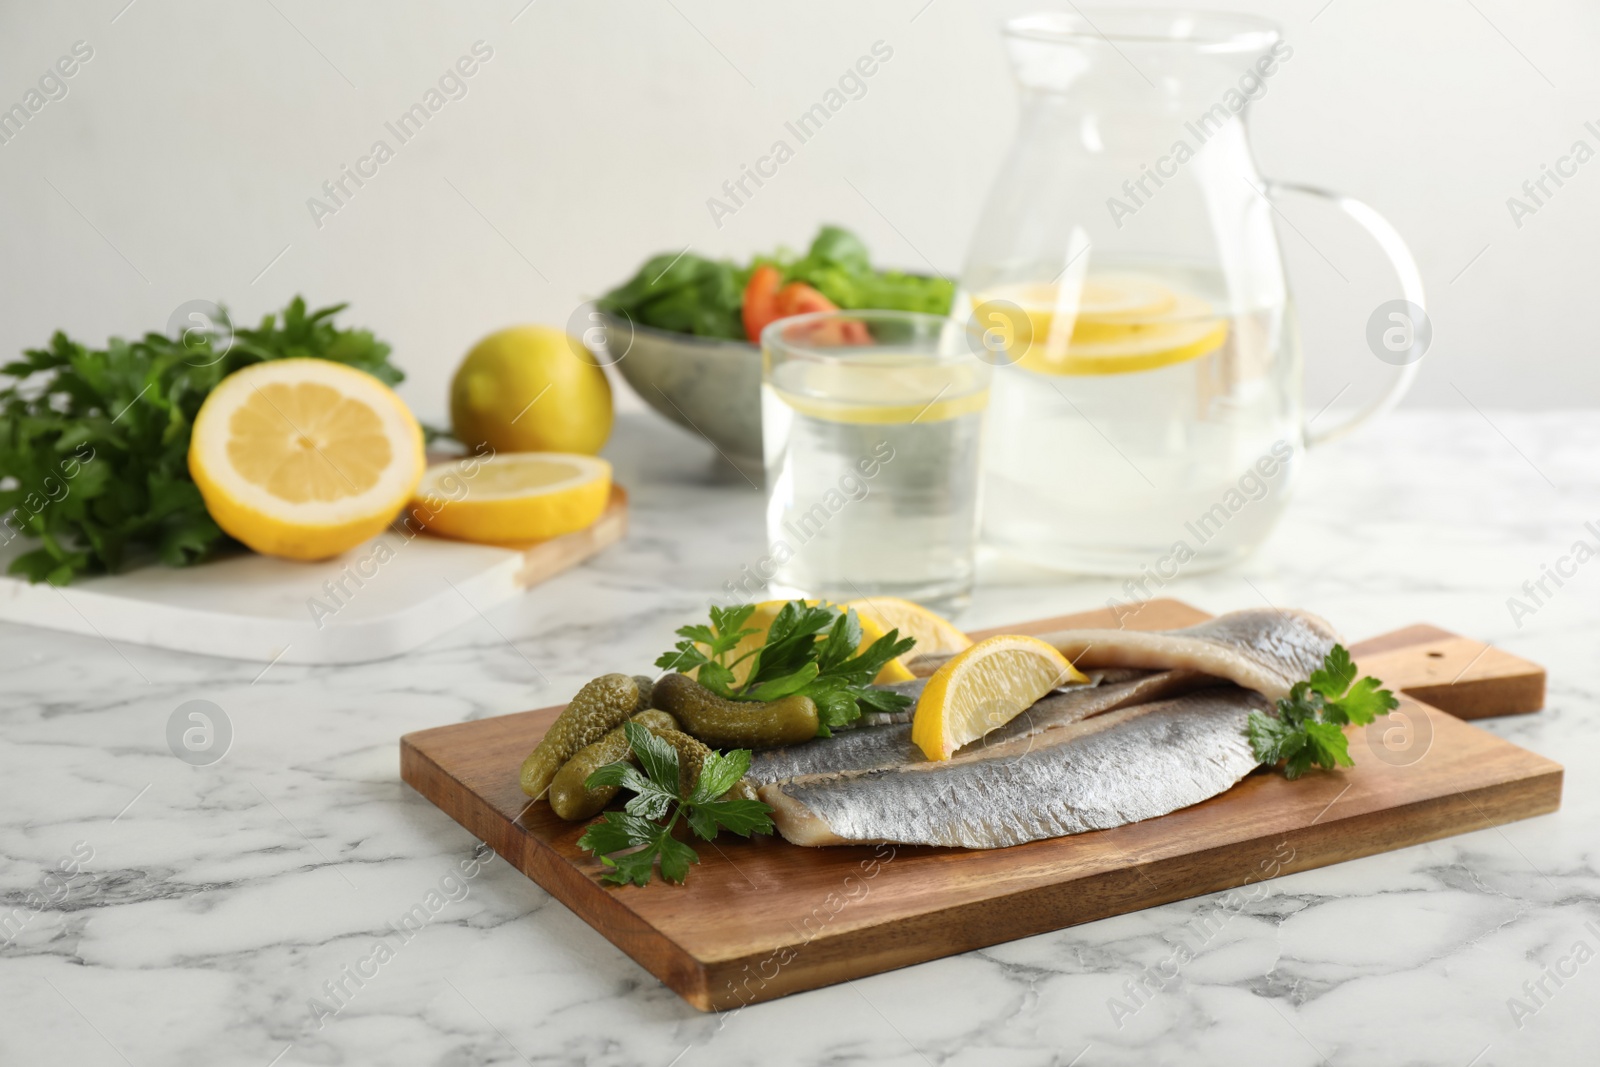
{"x": 735, "y": 723}
{"x": 573, "y": 800}
{"x": 599, "y": 708}
{"x": 692, "y": 756}
{"x": 646, "y": 687}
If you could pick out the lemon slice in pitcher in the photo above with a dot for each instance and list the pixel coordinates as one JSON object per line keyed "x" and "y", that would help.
{"x": 1121, "y": 324}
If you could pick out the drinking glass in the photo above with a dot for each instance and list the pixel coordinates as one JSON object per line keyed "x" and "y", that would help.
{"x": 872, "y": 423}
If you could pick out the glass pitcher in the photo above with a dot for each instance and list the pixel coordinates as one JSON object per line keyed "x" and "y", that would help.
{"x": 1145, "y": 413}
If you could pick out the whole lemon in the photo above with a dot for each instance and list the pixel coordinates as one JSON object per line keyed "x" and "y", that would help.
{"x": 526, "y": 389}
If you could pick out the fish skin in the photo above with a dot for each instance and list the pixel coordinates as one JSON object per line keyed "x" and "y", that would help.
{"x": 1262, "y": 649}
{"x": 888, "y": 744}
{"x": 913, "y": 689}
{"x": 1123, "y": 766}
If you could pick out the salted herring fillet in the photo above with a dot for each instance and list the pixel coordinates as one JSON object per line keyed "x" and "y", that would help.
{"x": 888, "y": 744}
{"x": 1118, "y": 767}
{"x": 1262, "y": 649}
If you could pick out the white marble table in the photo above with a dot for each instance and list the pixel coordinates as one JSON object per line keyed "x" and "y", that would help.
{"x": 208, "y": 905}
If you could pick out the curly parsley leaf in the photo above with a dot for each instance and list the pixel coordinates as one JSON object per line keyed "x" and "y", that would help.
{"x": 742, "y": 817}
{"x": 1364, "y": 702}
{"x": 634, "y": 842}
{"x": 1307, "y": 728}
{"x": 811, "y": 649}
{"x": 708, "y": 648}
{"x": 1338, "y": 670}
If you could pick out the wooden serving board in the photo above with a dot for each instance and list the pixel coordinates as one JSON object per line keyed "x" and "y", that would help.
{"x": 380, "y": 599}
{"x": 758, "y": 919}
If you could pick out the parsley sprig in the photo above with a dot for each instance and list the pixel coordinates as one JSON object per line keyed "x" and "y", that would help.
{"x": 125, "y": 411}
{"x": 1308, "y": 729}
{"x": 810, "y": 649}
{"x": 633, "y": 841}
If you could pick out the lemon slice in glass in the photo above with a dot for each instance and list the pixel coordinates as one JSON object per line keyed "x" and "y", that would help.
{"x": 304, "y": 458}
{"x": 513, "y": 497}
{"x": 883, "y": 390}
{"x": 984, "y": 688}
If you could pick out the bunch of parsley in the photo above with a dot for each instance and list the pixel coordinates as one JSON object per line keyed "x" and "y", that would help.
{"x": 632, "y": 841}
{"x": 810, "y": 649}
{"x": 1308, "y": 729}
{"x": 94, "y": 442}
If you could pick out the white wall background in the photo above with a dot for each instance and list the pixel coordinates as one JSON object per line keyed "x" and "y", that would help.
{"x": 179, "y": 164}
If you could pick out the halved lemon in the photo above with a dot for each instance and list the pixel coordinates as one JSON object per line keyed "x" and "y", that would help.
{"x": 984, "y": 688}
{"x": 761, "y": 621}
{"x": 934, "y": 633}
{"x": 304, "y": 458}
{"x": 512, "y": 497}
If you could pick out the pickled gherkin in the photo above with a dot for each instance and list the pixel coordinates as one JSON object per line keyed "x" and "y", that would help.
{"x": 735, "y": 723}
{"x": 692, "y": 755}
{"x": 597, "y": 709}
{"x": 646, "y": 688}
{"x": 570, "y": 797}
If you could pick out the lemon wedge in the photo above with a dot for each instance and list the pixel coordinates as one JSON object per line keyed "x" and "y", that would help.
{"x": 984, "y": 688}
{"x": 934, "y": 633}
{"x": 304, "y": 458}
{"x": 512, "y": 497}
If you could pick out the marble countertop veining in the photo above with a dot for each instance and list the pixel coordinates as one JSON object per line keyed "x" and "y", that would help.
{"x": 295, "y": 904}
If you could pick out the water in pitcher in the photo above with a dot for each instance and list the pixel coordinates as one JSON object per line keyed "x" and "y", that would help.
{"x": 1149, "y": 426}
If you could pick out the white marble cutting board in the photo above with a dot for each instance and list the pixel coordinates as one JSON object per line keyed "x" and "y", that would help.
{"x": 378, "y": 600}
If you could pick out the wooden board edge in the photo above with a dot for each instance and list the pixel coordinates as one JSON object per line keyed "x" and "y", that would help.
{"x": 637, "y": 939}
{"x": 825, "y": 960}
{"x": 546, "y": 559}
{"x": 1491, "y": 699}
{"x": 1516, "y": 687}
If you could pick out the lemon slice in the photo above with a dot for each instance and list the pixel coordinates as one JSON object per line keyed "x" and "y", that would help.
{"x": 1103, "y": 298}
{"x": 304, "y": 458}
{"x": 984, "y": 688}
{"x": 890, "y": 388}
{"x": 1133, "y": 348}
{"x": 934, "y": 633}
{"x": 513, "y": 497}
{"x": 894, "y": 670}
{"x": 1122, "y": 324}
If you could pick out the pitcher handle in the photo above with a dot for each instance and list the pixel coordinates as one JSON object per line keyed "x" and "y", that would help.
{"x": 1405, "y": 267}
